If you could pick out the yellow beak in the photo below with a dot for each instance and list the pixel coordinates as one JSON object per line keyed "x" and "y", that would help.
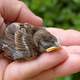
{"x": 51, "y": 49}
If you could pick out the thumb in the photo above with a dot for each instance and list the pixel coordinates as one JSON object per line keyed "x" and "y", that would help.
{"x": 26, "y": 15}
{"x": 17, "y": 11}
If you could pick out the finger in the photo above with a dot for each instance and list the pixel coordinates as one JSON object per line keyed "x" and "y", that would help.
{"x": 3, "y": 65}
{"x": 66, "y": 37}
{"x": 41, "y": 76}
{"x": 45, "y": 75}
{"x": 27, "y": 16}
{"x": 19, "y": 12}
{"x": 70, "y": 66}
{"x": 31, "y": 68}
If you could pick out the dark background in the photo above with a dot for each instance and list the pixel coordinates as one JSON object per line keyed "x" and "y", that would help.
{"x": 58, "y": 13}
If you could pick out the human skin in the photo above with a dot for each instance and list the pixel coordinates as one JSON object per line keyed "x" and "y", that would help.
{"x": 47, "y": 66}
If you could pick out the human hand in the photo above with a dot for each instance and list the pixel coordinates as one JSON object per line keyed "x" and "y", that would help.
{"x": 20, "y": 13}
{"x": 48, "y": 66}
{"x": 44, "y": 67}
{"x": 39, "y": 69}
{"x": 70, "y": 40}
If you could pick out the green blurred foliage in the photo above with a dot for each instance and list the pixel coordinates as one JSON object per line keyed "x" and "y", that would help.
{"x": 58, "y": 13}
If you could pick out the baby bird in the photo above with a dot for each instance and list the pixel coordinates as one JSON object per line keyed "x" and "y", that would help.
{"x": 25, "y": 41}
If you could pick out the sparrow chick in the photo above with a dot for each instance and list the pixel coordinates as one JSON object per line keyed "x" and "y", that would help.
{"x": 24, "y": 41}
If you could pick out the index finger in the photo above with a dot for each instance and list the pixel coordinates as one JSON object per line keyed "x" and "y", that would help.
{"x": 31, "y": 68}
{"x": 66, "y": 37}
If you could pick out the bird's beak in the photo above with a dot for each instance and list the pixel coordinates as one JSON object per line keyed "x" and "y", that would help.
{"x": 53, "y": 48}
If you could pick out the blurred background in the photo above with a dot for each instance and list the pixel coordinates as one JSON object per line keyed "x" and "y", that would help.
{"x": 58, "y": 13}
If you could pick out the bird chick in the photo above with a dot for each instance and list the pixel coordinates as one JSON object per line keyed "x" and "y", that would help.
{"x": 25, "y": 41}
